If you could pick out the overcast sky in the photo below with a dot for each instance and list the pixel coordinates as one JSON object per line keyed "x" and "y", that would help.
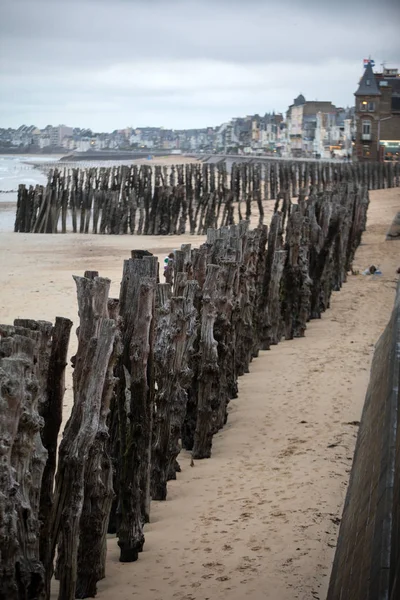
{"x": 108, "y": 64}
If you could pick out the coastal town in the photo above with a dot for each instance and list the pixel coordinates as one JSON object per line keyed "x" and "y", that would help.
{"x": 369, "y": 130}
{"x": 323, "y": 127}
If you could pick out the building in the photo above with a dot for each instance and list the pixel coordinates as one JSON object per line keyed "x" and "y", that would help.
{"x": 378, "y": 115}
{"x": 57, "y": 134}
{"x": 301, "y": 119}
{"x": 270, "y": 131}
{"x": 334, "y": 133}
{"x": 25, "y": 135}
{"x": 255, "y": 130}
{"x": 44, "y": 141}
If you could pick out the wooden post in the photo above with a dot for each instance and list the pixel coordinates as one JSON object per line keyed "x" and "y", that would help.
{"x": 292, "y": 280}
{"x": 358, "y": 224}
{"x": 135, "y": 371}
{"x": 95, "y": 344}
{"x": 262, "y": 238}
{"x": 51, "y": 411}
{"x": 274, "y": 244}
{"x": 175, "y": 337}
{"x": 23, "y": 462}
{"x": 208, "y": 372}
{"x": 228, "y": 282}
{"x": 199, "y": 261}
{"x": 98, "y": 493}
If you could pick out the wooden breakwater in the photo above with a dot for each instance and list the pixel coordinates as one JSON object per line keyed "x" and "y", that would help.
{"x": 367, "y": 557}
{"x": 179, "y": 199}
{"x": 154, "y": 370}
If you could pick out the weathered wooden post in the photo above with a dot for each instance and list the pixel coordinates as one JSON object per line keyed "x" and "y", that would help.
{"x": 247, "y": 298}
{"x": 174, "y": 346}
{"x": 135, "y": 400}
{"x": 295, "y": 280}
{"x": 23, "y": 462}
{"x": 228, "y": 282}
{"x": 199, "y": 261}
{"x": 261, "y": 241}
{"x": 274, "y": 244}
{"x": 358, "y": 224}
{"x": 321, "y": 251}
{"x": 208, "y": 371}
{"x": 98, "y": 492}
{"x": 51, "y": 412}
{"x": 95, "y": 344}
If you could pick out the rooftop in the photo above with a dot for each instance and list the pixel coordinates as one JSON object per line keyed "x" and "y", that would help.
{"x": 368, "y": 85}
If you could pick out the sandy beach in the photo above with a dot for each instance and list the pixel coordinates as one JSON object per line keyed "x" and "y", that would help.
{"x": 259, "y": 519}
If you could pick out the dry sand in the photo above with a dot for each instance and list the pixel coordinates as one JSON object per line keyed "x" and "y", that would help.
{"x": 259, "y": 519}
{"x": 164, "y": 161}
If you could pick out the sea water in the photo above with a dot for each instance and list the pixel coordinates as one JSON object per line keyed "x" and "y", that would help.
{"x": 13, "y": 171}
{"x": 26, "y": 169}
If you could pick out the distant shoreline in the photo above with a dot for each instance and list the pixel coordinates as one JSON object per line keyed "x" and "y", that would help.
{"x": 91, "y": 155}
{"x": 26, "y": 150}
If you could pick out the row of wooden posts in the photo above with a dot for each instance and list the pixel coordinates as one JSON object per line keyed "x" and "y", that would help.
{"x": 180, "y": 199}
{"x": 154, "y": 371}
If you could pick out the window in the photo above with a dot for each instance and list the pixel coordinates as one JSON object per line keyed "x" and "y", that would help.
{"x": 366, "y": 127}
{"x": 371, "y": 106}
{"x": 368, "y": 82}
{"x": 366, "y": 151}
{"x": 363, "y": 105}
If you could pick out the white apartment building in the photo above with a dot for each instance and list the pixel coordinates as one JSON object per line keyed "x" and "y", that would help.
{"x": 44, "y": 141}
{"x": 58, "y": 133}
{"x": 83, "y": 145}
{"x": 295, "y": 128}
{"x": 333, "y": 133}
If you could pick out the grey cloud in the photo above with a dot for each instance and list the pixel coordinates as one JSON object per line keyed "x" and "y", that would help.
{"x": 251, "y": 31}
{"x": 56, "y": 54}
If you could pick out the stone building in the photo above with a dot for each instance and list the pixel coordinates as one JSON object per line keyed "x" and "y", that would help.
{"x": 378, "y": 116}
{"x": 301, "y": 119}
